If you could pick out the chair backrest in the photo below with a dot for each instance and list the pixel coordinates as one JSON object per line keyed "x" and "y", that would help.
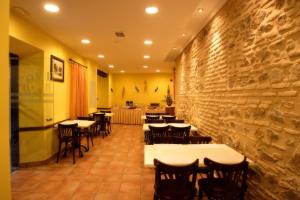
{"x": 67, "y": 131}
{"x": 233, "y": 178}
{"x": 199, "y": 139}
{"x": 180, "y": 131}
{"x": 154, "y": 121}
{"x": 183, "y": 177}
{"x": 168, "y": 140}
{"x": 85, "y": 118}
{"x": 169, "y": 119}
{"x": 177, "y": 121}
{"x": 158, "y": 131}
{"x": 99, "y": 117}
{"x": 153, "y": 117}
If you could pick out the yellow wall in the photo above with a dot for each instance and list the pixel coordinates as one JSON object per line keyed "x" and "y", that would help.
{"x": 5, "y": 188}
{"x": 55, "y": 94}
{"x": 146, "y": 83}
{"x": 103, "y": 92}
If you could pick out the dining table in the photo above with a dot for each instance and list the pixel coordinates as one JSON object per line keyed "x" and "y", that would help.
{"x": 181, "y": 125}
{"x": 83, "y": 125}
{"x": 182, "y": 154}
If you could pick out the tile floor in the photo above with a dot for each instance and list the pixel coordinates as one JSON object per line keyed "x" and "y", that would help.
{"x": 112, "y": 169}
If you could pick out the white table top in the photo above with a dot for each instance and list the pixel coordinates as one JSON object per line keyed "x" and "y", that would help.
{"x": 146, "y": 126}
{"x": 106, "y": 114}
{"x": 144, "y": 116}
{"x": 81, "y": 123}
{"x": 181, "y": 154}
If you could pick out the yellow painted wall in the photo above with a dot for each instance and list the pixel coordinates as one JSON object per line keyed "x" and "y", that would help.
{"x": 55, "y": 94}
{"x": 103, "y": 92}
{"x": 146, "y": 83}
{"x": 5, "y": 186}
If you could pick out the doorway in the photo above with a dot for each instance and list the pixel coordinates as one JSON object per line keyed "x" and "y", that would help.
{"x": 14, "y": 111}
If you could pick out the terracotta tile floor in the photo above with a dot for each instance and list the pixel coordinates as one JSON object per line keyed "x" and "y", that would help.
{"x": 112, "y": 169}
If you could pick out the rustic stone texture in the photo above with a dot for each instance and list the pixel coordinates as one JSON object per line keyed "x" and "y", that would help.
{"x": 238, "y": 81}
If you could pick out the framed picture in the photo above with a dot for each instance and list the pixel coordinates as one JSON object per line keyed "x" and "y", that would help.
{"x": 57, "y": 69}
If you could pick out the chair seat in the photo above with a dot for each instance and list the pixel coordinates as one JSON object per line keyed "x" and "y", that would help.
{"x": 171, "y": 190}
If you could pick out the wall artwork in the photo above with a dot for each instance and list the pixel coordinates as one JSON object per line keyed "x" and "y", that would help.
{"x": 123, "y": 93}
{"x": 136, "y": 89}
{"x": 57, "y": 69}
{"x": 156, "y": 89}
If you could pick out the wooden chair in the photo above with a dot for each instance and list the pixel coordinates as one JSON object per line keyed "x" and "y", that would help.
{"x": 168, "y": 119}
{"x": 157, "y": 132}
{"x": 182, "y": 132}
{"x": 153, "y": 121}
{"x": 68, "y": 134}
{"x": 199, "y": 139}
{"x": 101, "y": 123}
{"x": 168, "y": 140}
{"x": 224, "y": 181}
{"x": 175, "y": 182}
{"x": 177, "y": 121}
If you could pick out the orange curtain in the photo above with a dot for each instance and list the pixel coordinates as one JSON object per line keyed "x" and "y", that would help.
{"x": 78, "y": 99}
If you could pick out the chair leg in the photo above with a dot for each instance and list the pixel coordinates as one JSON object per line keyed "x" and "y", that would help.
{"x": 91, "y": 136}
{"x": 73, "y": 149}
{"x": 87, "y": 140}
{"x": 58, "y": 154}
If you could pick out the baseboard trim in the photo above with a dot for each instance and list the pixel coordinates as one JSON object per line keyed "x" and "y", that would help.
{"x": 37, "y": 163}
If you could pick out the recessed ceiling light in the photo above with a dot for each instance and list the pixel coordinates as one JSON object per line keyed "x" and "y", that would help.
{"x": 100, "y": 56}
{"x": 111, "y": 66}
{"x": 174, "y": 48}
{"x": 51, "y": 7}
{"x": 200, "y": 10}
{"x": 146, "y": 56}
{"x": 151, "y": 10}
{"x": 122, "y": 71}
{"x": 157, "y": 70}
{"x": 145, "y": 66}
{"x": 148, "y": 42}
{"x": 85, "y": 41}
{"x": 183, "y": 34}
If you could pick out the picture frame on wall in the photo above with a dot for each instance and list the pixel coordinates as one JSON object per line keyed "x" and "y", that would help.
{"x": 57, "y": 67}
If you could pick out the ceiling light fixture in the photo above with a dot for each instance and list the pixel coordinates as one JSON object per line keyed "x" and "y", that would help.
{"x": 49, "y": 7}
{"x": 111, "y": 66}
{"x": 146, "y": 57}
{"x": 148, "y": 42}
{"x": 157, "y": 70}
{"x": 183, "y": 34}
{"x": 200, "y": 10}
{"x": 122, "y": 71}
{"x": 145, "y": 66}
{"x": 151, "y": 10}
{"x": 85, "y": 41}
{"x": 100, "y": 56}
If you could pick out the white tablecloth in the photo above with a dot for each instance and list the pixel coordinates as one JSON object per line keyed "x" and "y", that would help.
{"x": 146, "y": 126}
{"x": 181, "y": 154}
{"x": 81, "y": 123}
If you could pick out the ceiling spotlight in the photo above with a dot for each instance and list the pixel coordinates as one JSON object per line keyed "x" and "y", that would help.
{"x": 148, "y": 42}
{"x": 85, "y": 41}
{"x": 157, "y": 70}
{"x": 200, "y": 10}
{"x": 49, "y": 7}
{"x": 183, "y": 34}
{"x": 151, "y": 10}
{"x": 111, "y": 66}
{"x": 100, "y": 56}
{"x": 122, "y": 71}
{"x": 174, "y": 48}
{"x": 146, "y": 56}
{"x": 145, "y": 66}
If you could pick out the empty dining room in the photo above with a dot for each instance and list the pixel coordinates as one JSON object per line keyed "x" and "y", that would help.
{"x": 150, "y": 99}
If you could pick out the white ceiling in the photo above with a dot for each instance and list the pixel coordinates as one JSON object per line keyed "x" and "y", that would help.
{"x": 98, "y": 20}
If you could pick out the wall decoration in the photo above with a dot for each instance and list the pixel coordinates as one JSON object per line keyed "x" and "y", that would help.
{"x": 123, "y": 93}
{"x": 137, "y": 89}
{"x": 57, "y": 69}
{"x": 111, "y": 90}
{"x": 156, "y": 89}
{"x": 169, "y": 99}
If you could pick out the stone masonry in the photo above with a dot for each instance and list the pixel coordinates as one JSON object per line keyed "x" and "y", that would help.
{"x": 239, "y": 82}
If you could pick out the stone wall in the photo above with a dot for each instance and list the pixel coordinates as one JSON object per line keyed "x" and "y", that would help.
{"x": 239, "y": 82}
